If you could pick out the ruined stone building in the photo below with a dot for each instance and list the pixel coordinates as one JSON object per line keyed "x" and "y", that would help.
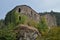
{"x": 28, "y": 11}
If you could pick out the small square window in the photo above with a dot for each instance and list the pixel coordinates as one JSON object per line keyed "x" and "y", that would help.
{"x": 19, "y": 10}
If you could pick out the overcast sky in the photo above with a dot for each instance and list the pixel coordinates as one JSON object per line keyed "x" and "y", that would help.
{"x": 37, "y": 5}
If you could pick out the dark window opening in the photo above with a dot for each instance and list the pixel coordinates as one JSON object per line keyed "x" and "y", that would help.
{"x": 35, "y": 15}
{"x": 19, "y": 18}
{"x": 31, "y": 12}
{"x": 19, "y": 10}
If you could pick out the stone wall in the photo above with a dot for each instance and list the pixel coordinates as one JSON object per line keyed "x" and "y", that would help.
{"x": 26, "y": 10}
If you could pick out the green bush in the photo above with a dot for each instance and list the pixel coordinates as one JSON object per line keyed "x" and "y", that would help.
{"x": 8, "y": 33}
{"x": 15, "y": 18}
{"x": 42, "y": 26}
{"x": 31, "y": 22}
{"x": 23, "y": 19}
{"x": 53, "y": 34}
{"x": 12, "y": 19}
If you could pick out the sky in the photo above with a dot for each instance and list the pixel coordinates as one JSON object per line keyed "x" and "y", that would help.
{"x": 37, "y": 5}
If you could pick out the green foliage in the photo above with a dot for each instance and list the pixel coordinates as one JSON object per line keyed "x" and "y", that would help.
{"x": 42, "y": 26}
{"x": 15, "y": 18}
{"x": 23, "y": 19}
{"x": 8, "y": 33}
{"x": 31, "y": 22}
{"x": 12, "y": 17}
{"x": 53, "y": 34}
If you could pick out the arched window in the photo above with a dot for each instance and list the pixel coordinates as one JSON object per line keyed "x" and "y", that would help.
{"x": 19, "y": 17}
{"x": 31, "y": 12}
{"x": 19, "y": 10}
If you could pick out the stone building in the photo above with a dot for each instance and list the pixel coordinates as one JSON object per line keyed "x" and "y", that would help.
{"x": 26, "y": 10}
{"x": 27, "y": 32}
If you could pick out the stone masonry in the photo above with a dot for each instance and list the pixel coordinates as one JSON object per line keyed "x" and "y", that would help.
{"x": 28, "y": 11}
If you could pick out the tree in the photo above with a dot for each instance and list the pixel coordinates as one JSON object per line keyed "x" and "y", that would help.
{"x": 8, "y": 33}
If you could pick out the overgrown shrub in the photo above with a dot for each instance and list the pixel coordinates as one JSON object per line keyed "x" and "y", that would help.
{"x": 42, "y": 26}
{"x": 31, "y": 22}
{"x": 12, "y": 17}
{"x": 23, "y": 19}
{"x": 15, "y": 18}
{"x": 7, "y": 33}
{"x": 53, "y": 34}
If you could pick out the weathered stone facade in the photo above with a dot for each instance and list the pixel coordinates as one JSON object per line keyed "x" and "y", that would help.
{"x": 28, "y": 11}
